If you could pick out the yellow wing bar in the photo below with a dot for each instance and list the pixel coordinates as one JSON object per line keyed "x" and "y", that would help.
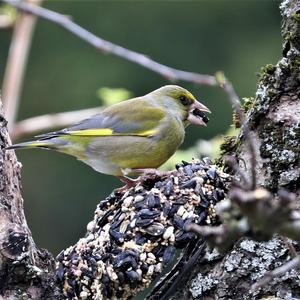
{"x": 109, "y": 132}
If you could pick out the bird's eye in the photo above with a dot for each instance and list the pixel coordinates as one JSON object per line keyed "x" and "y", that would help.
{"x": 184, "y": 100}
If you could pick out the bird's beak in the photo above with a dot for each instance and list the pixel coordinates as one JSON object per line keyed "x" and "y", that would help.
{"x": 197, "y": 115}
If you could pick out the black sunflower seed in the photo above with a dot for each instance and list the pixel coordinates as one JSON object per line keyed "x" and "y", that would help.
{"x": 168, "y": 187}
{"x": 140, "y": 240}
{"x": 105, "y": 286}
{"x": 121, "y": 278}
{"x": 197, "y": 167}
{"x": 207, "y": 161}
{"x": 119, "y": 293}
{"x": 148, "y": 214}
{"x": 189, "y": 184}
{"x": 60, "y": 256}
{"x": 103, "y": 219}
{"x": 183, "y": 238}
{"x": 169, "y": 254}
{"x": 116, "y": 235}
{"x": 211, "y": 173}
{"x": 158, "y": 250}
{"x": 185, "y": 163}
{"x": 133, "y": 276}
{"x": 140, "y": 205}
{"x": 125, "y": 263}
{"x": 188, "y": 171}
{"x": 204, "y": 203}
{"x": 155, "y": 229}
{"x": 177, "y": 166}
{"x": 199, "y": 113}
{"x": 202, "y": 217}
{"x": 174, "y": 209}
{"x": 115, "y": 251}
{"x": 158, "y": 184}
{"x": 86, "y": 272}
{"x": 178, "y": 222}
{"x": 144, "y": 267}
{"x": 93, "y": 263}
{"x": 116, "y": 223}
{"x": 166, "y": 208}
{"x": 153, "y": 201}
{"x": 60, "y": 272}
{"x": 220, "y": 194}
{"x": 219, "y": 183}
{"x": 181, "y": 200}
{"x": 143, "y": 222}
{"x": 125, "y": 259}
{"x": 187, "y": 222}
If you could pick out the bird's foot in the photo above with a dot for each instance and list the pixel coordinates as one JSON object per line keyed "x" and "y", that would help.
{"x": 152, "y": 171}
{"x": 145, "y": 173}
{"x": 129, "y": 183}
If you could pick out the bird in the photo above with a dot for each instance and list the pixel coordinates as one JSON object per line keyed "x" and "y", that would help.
{"x": 132, "y": 137}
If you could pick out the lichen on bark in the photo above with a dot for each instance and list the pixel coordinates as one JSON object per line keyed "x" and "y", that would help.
{"x": 273, "y": 117}
{"x": 26, "y": 272}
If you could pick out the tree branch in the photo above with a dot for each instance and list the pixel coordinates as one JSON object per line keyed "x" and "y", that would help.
{"x": 50, "y": 121}
{"x": 20, "y": 259}
{"x": 16, "y": 64}
{"x": 108, "y": 47}
{"x": 108, "y": 260}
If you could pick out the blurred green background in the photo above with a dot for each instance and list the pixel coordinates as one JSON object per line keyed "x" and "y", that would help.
{"x": 64, "y": 73}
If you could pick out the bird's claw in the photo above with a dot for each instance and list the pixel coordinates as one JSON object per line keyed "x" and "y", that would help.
{"x": 147, "y": 172}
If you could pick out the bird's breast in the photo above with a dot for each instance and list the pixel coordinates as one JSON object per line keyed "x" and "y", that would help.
{"x": 111, "y": 154}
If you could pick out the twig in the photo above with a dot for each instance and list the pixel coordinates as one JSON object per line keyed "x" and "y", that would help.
{"x": 233, "y": 164}
{"x": 135, "y": 57}
{"x": 205, "y": 231}
{"x": 227, "y": 86}
{"x": 294, "y": 263}
{"x": 50, "y": 121}
{"x": 16, "y": 63}
{"x": 108, "y": 47}
{"x": 289, "y": 245}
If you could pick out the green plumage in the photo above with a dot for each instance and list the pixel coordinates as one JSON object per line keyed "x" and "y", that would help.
{"x": 140, "y": 133}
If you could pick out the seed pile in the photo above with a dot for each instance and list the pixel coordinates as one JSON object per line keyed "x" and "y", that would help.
{"x": 133, "y": 235}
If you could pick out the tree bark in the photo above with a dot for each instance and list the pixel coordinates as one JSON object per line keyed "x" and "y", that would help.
{"x": 274, "y": 120}
{"x": 27, "y": 272}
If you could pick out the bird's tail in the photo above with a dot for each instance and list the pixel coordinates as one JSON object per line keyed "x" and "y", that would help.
{"x": 45, "y": 144}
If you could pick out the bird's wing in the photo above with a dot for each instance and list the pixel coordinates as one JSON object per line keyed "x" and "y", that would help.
{"x": 128, "y": 118}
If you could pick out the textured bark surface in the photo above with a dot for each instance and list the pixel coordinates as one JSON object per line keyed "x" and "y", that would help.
{"x": 274, "y": 119}
{"x": 25, "y": 271}
{"x": 28, "y": 273}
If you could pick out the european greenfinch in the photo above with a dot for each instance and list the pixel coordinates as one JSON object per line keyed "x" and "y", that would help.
{"x": 130, "y": 137}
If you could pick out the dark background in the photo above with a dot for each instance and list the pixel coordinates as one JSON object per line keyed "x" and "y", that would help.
{"x": 64, "y": 73}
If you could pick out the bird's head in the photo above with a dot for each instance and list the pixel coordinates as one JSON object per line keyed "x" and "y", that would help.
{"x": 182, "y": 104}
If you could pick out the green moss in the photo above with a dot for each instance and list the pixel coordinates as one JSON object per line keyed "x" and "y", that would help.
{"x": 280, "y": 145}
{"x": 268, "y": 69}
{"x": 248, "y": 103}
{"x": 236, "y": 120}
{"x": 272, "y": 92}
{"x": 229, "y": 145}
{"x": 296, "y": 16}
{"x": 290, "y": 36}
{"x": 295, "y": 65}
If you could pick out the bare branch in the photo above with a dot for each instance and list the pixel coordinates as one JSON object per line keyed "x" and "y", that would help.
{"x": 227, "y": 86}
{"x": 135, "y": 57}
{"x": 16, "y": 64}
{"x": 108, "y": 47}
{"x": 289, "y": 244}
{"x": 292, "y": 264}
{"x": 50, "y": 121}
